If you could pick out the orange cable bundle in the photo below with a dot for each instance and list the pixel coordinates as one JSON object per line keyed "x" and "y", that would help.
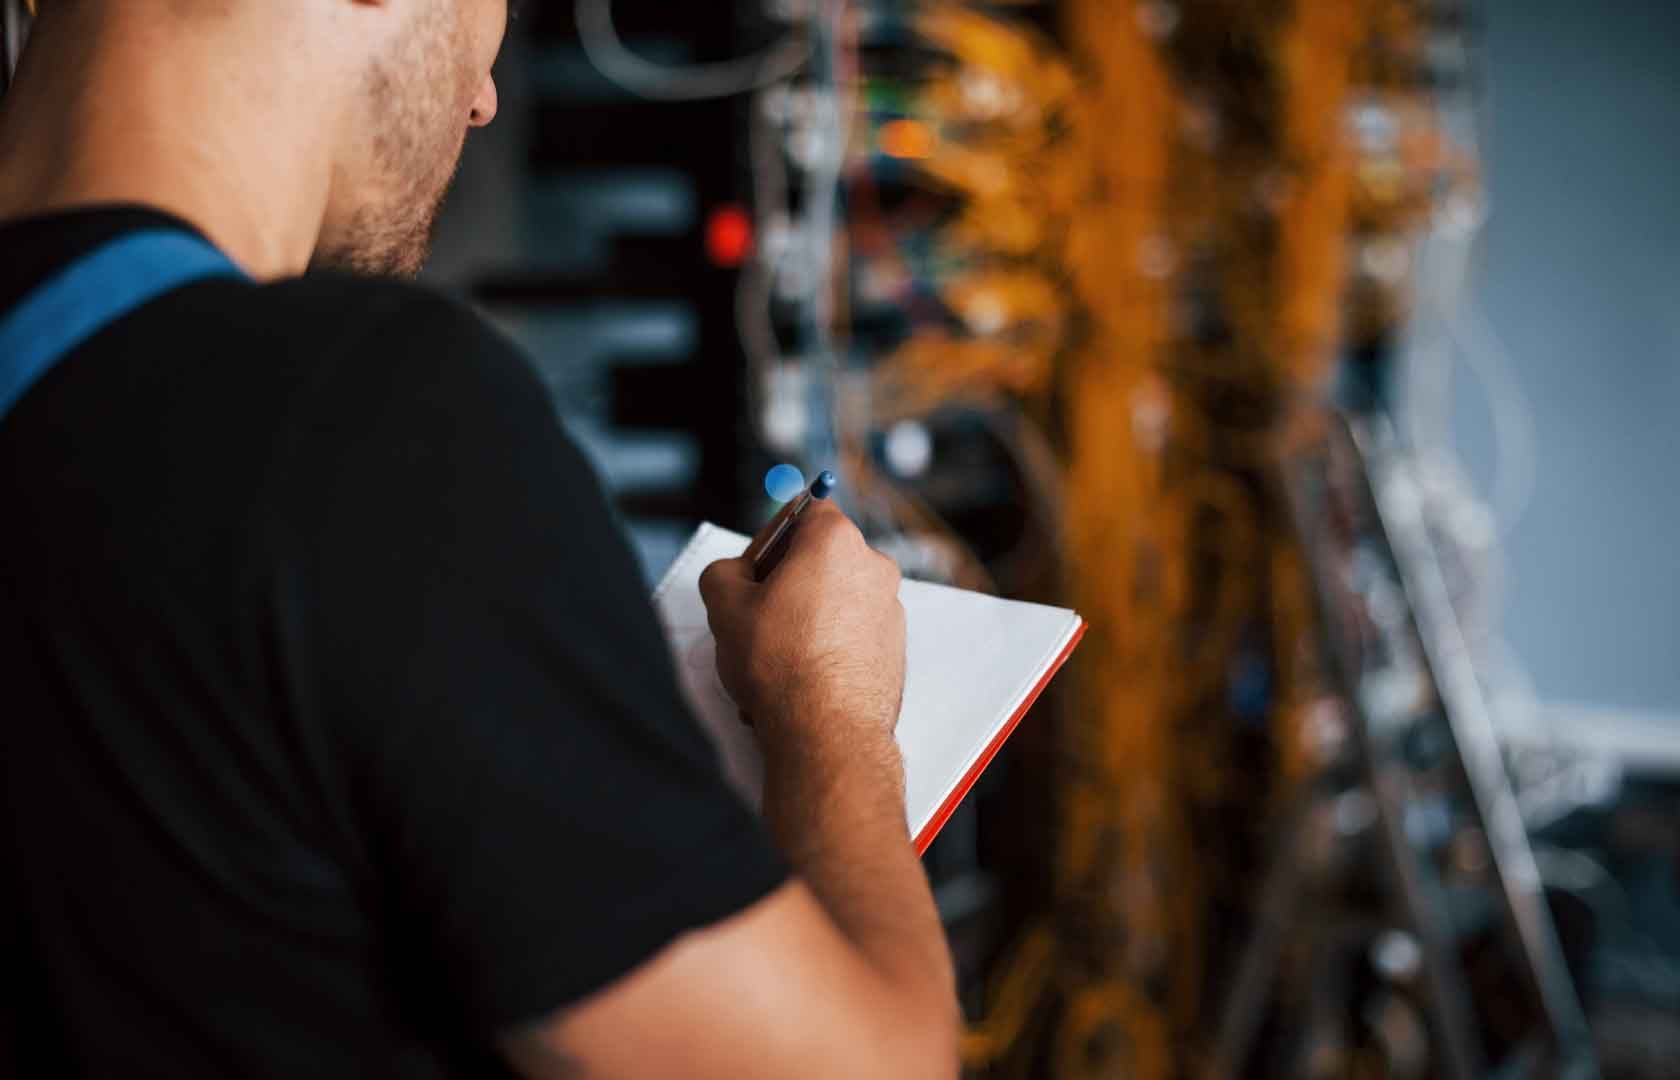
{"x": 1171, "y": 246}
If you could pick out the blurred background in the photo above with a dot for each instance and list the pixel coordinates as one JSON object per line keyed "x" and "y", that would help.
{"x": 1322, "y": 353}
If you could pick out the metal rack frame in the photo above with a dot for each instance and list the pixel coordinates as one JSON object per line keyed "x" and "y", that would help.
{"x": 1397, "y": 513}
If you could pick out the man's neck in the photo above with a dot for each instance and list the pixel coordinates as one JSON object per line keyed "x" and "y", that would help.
{"x": 113, "y": 106}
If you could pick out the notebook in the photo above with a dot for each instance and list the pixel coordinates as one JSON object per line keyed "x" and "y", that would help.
{"x": 974, "y": 666}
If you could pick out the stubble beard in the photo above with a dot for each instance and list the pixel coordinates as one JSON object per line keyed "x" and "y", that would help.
{"x": 392, "y": 239}
{"x": 415, "y": 151}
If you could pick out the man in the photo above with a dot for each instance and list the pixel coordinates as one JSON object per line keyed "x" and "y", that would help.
{"x": 339, "y": 736}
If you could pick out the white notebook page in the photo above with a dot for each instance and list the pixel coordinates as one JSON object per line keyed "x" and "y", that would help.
{"x": 972, "y": 662}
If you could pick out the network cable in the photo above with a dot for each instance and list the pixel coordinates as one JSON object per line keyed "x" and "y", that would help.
{"x": 601, "y": 43}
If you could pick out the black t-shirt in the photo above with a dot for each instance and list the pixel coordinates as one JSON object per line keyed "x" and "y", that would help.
{"x": 338, "y": 731}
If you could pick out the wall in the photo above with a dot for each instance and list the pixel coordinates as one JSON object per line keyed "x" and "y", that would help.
{"x": 1580, "y": 278}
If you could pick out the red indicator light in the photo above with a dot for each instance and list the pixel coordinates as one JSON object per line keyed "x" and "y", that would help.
{"x": 729, "y": 236}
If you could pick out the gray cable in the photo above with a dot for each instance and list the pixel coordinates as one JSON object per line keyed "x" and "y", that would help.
{"x": 660, "y": 82}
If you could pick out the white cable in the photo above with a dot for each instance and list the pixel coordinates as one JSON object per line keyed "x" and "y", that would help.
{"x": 753, "y": 291}
{"x": 1450, "y": 326}
{"x": 1443, "y": 257}
{"x": 1463, "y": 333}
{"x": 695, "y": 82}
{"x": 1514, "y": 429}
{"x": 819, "y": 210}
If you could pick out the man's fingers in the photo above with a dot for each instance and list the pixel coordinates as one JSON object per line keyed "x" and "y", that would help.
{"x": 824, "y": 533}
{"x": 722, "y": 578}
{"x": 820, "y": 509}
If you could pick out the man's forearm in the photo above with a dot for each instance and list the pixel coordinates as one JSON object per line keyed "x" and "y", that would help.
{"x": 837, "y": 811}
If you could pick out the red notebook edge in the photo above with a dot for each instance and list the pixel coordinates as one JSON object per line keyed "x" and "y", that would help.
{"x": 960, "y": 792}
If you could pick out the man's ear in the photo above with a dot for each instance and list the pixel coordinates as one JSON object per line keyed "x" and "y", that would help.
{"x": 485, "y": 105}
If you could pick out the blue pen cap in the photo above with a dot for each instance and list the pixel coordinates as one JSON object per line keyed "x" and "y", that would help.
{"x": 823, "y": 484}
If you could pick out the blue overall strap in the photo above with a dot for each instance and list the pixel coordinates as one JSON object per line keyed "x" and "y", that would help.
{"x": 91, "y": 294}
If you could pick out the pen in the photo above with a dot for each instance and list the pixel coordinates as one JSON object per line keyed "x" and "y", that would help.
{"x": 771, "y": 543}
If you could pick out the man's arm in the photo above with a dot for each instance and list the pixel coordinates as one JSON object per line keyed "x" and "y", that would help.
{"x": 470, "y": 627}
{"x": 844, "y": 972}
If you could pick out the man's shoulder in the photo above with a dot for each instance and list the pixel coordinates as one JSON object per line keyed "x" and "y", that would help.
{"x": 373, "y": 311}
{"x": 373, "y": 396}
{"x": 383, "y": 336}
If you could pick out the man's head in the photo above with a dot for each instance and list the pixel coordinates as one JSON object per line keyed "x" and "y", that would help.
{"x": 324, "y": 131}
{"x": 424, "y": 81}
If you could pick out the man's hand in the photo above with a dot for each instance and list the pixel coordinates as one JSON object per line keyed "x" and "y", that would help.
{"x": 816, "y": 651}
{"x": 844, "y": 972}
